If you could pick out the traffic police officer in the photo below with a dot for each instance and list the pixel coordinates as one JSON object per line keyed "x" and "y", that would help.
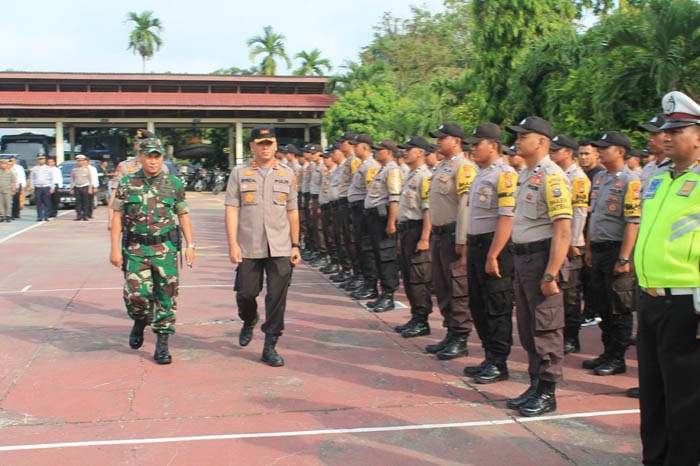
{"x": 381, "y": 208}
{"x": 614, "y": 223}
{"x": 562, "y": 152}
{"x": 414, "y": 238}
{"x": 449, "y": 192}
{"x": 262, "y": 225}
{"x": 81, "y": 182}
{"x": 329, "y": 245}
{"x": 145, "y": 207}
{"x": 667, "y": 263}
{"x": 489, "y": 256}
{"x": 42, "y": 188}
{"x": 541, "y": 240}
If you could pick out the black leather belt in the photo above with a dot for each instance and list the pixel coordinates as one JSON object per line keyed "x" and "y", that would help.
{"x": 603, "y": 246}
{"x": 409, "y": 225}
{"x": 444, "y": 229}
{"x": 314, "y": 196}
{"x": 150, "y": 240}
{"x": 342, "y": 201}
{"x": 374, "y": 211}
{"x": 483, "y": 239}
{"x": 530, "y": 248}
{"x": 357, "y": 204}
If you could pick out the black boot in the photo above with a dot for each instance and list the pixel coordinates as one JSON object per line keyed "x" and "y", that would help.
{"x": 320, "y": 262}
{"x": 593, "y": 363}
{"x": 247, "y": 332}
{"x": 330, "y": 268}
{"x": 492, "y": 373}
{"x": 269, "y": 355}
{"x": 572, "y": 346}
{"x": 542, "y": 402}
{"x": 418, "y": 329}
{"x": 372, "y": 304}
{"x": 369, "y": 292}
{"x": 354, "y": 284}
{"x": 633, "y": 392}
{"x": 161, "y": 355}
{"x": 340, "y": 277}
{"x": 611, "y": 367}
{"x": 136, "y": 336}
{"x": 456, "y": 349}
{"x": 400, "y": 328}
{"x": 437, "y": 347}
{"x": 386, "y": 304}
{"x": 516, "y": 403}
{"x": 471, "y": 371}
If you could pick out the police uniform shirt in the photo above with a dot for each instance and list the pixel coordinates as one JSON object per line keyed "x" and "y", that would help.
{"x": 296, "y": 167}
{"x": 326, "y": 194}
{"x": 96, "y": 176}
{"x": 7, "y": 179}
{"x": 543, "y": 195}
{"x": 415, "y": 194}
{"x": 56, "y": 177}
{"x": 364, "y": 174}
{"x": 615, "y": 201}
{"x": 340, "y": 184}
{"x": 308, "y": 168}
{"x": 580, "y": 189}
{"x": 263, "y": 202}
{"x": 41, "y": 176}
{"x": 651, "y": 169}
{"x": 80, "y": 177}
{"x": 315, "y": 180}
{"x": 405, "y": 170}
{"x": 450, "y": 182}
{"x": 492, "y": 194}
{"x": 385, "y": 187}
{"x": 20, "y": 177}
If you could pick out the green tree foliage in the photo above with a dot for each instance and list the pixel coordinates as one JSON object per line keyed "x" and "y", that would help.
{"x": 312, "y": 63}
{"x": 144, "y": 38}
{"x": 365, "y": 109}
{"x": 271, "y": 46}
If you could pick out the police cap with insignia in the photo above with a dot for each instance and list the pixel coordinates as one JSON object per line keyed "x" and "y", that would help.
{"x": 533, "y": 124}
{"x": 680, "y": 111}
{"x": 388, "y": 144}
{"x": 563, "y": 141}
{"x": 635, "y": 153}
{"x": 486, "y": 130}
{"x": 80, "y": 157}
{"x": 613, "y": 138}
{"x": 40, "y": 156}
{"x": 448, "y": 129}
{"x": 431, "y": 148}
{"x": 505, "y": 150}
{"x": 291, "y": 149}
{"x": 150, "y": 145}
{"x": 415, "y": 141}
{"x": 313, "y": 148}
{"x": 348, "y": 136}
{"x": 654, "y": 126}
{"x": 361, "y": 138}
{"x": 263, "y": 133}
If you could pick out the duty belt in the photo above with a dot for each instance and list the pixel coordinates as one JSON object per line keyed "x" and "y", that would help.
{"x": 530, "y": 248}
{"x": 656, "y": 292}
{"x": 483, "y": 239}
{"x": 373, "y": 211}
{"x": 358, "y": 204}
{"x": 444, "y": 229}
{"x": 603, "y": 246}
{"x": 151, "y": 240}
{"x": 409, "y": 225}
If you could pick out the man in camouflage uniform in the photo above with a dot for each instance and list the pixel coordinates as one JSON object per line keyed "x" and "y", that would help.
{"x": 145, "y": 206}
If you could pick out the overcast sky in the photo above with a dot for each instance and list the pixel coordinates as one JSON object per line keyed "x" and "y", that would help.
{"x": 199, "y": 36}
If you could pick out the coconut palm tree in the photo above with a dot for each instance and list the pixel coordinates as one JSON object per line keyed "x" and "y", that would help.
{"x": 312, "y": 63}
{"x": 271, "y": 45}
{"x": 144, "y": 38}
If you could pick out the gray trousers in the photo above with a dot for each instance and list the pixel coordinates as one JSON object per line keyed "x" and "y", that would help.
{"x": 5, "y": 204}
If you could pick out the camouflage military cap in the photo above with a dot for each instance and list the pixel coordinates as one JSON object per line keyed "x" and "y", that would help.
{"x": 149, "y": 145}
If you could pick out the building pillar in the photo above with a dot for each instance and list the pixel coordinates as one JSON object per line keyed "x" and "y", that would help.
{"x": 307, "y": 135}
{"x": 71, "y": 139}
{"x": 239, "y": 143}
{"x": 324, "y": 140}
{"x": 151, "y": 126}
{"x": 231, "y": 148}
{"x": 59, "y": 142}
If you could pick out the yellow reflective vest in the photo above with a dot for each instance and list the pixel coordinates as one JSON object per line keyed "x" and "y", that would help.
{"x": 667, "y": 253}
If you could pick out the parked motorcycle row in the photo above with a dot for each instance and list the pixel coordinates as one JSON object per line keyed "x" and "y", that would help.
{"x": 202, "y": 179}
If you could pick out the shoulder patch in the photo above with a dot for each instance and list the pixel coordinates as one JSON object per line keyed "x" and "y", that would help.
{"x": 465, "y": 176}
{"x": 557, "y": 196}
{"x": 393, "y": 181}
{"x": 506, "y": 189}
{"x": 632, "y": 203}
{"x": 581, "y": 188}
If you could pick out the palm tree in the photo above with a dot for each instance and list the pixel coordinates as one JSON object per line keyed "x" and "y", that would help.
{"x": 311, "y": 63}
{"x": 144, "y": 38}
{"x": 272, "y": 45}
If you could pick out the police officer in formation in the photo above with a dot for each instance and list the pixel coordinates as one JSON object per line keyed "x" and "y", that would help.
{"x": 57, "y": 184}
{"x": 81, "y": 185}
{"x": 327, "y": 245}
{"x": 42, "y": 181}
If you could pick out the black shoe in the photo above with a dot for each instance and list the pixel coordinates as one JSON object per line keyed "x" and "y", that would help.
{"x": 437, "y": 347}
{"x": 372, "y": 304}
{"x": 340, "y": 277}
{"x": 400, "y": 328}
{"x": 471, "y": 371}
{"x": 269, "y": 355}
{"x": 364, "y": 293}
{"x": 136, "y": 336}
{"x": 542, "y": 402}
{"x": 633, "y": 392}
{"x": 593, "y": 363}
{"x": 516, "y": 403}
{"x": 572, "y": 346}
{"x": 39, "y": 219}
{"x": 611, "y": 367}
{"x": 632, "y": 341}
{"x": 354, "y": 284}
{"x": 386, "y": 304}
{"x": 456, "y": 349}
{"x": 162, "y": 355}
{"x": 77, "y": 219}
{"x": 306, "y": 255}
{"x": 416, "y": 330}
{"x": 319, "y": 262}
{"x": 85, "y": 219}
{"x": 330, "y": 268}
{"x": 491, "y": 374}
{"x": 247, "y": 332}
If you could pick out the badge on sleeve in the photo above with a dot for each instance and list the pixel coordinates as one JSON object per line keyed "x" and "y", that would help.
{"x": 558, "y": 196}
{"x": 687, "y": 188}
{"x": 651, "y": 189}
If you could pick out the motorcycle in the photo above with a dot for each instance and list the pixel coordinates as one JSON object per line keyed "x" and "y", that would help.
{"x": 219, "y": 181}
{"x": 201, "y": 180}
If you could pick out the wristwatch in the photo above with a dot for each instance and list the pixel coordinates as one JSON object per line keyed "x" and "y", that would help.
{"x": 190, "y": 246}
{"x": 548, "y": 278}
{"x": 623, "y": 261}
{"x": 296, "y": 245}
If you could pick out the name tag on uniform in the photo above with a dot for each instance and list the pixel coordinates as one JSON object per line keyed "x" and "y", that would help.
{"x": 651, "y": 190}
{"x": 687, "y": 188}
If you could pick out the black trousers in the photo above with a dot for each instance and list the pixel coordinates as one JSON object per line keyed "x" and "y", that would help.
{"x": 385, "y": 255}
{"x": 363, "y": 243}
{"x": 416, "y": 269}
{"x": 343, "y": 235}
{"x": 249, "y": 283}
{"x": 15, "y": 204}
{"x": 309, "y": 234}
{"x": 42, "y": 197}
{"x": 451, "y": 284}
{"x": 55, "y": 201}
{"x": 302, "y": 217}
{"x": 669, "y": 380}
{"x": 82, "y": 200}
{"x": 614, "y": 300}
{"x": 91, "y": 202}
{"x": 327, "y": 243}
{"x": 572, "y": 299}
{"x": 491, "y": 298}
{"x": 315, "y": 224}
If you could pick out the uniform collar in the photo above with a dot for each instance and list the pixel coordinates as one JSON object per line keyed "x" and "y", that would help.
{"x": 543, "y": 160}
{"x": 254, "y": 165}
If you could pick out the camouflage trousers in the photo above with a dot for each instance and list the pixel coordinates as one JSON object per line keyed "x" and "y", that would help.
{"x": 152, "y": 283}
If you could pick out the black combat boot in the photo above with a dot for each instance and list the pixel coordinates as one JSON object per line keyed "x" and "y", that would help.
{"x": 269, "y": 355}
{"x": 456, "y": 348}
{"x": 136, "y": 337}
{"x": 516, "y": 403}
{"x": 471, "y": 371}
{"x": 611, "y": 367}
{"x": 633, "y": 392}
{"x": 419, "y": 328}
{"x": 330, "y": 268}
{"x": 353, "y": 284}
{"x": 161, "y": 355}
{"x": 321, "y": 261}
{"x": 340, "y": 277}
{"x": 247, "y": 332}
{"x": 400, "y": 328}
{"x": 542, "y": 402}
{"x": 593, "y": 363}
{"x": 369, "y": 292}
{"x": 492, "y": 373}
{"x": 386, "y": 304}
{"x": 572, "y": 345}
{"x": 437, "y": 347}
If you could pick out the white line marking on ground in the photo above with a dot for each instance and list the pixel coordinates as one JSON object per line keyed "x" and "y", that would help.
{"x": 25, "y": 288}
{"x": 301, "y": 433}
{"x": 17, "y": 233}
{"x": 55, "y": 290}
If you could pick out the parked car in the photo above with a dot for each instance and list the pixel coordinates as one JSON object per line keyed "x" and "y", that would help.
{"x": 68, "y": 199}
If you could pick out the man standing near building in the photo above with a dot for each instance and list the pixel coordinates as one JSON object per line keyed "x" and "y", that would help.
{"x": 145, "y": 241}
{"x": 57, "y": 184}
{"x": 541, "y": 240}
{"x": 21, "y": 183}
{"x": 489, "y": 255}
{"x": 262, "y": 225}
{"x": 8, "y": 185}
{"x": 41, "y": 178}
{"x": 563, "y": 149}
{"x": 81, "y": 183}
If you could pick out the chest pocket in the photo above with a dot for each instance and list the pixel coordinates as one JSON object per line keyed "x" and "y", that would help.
{"x": 529, "y": 206}
{"x": 280, "y": 192}
{"x": 444, "y": 183}
{"x": 484, "y": 197}
{"x": 613, "y": 207}
{"x": 249, "y": 194}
